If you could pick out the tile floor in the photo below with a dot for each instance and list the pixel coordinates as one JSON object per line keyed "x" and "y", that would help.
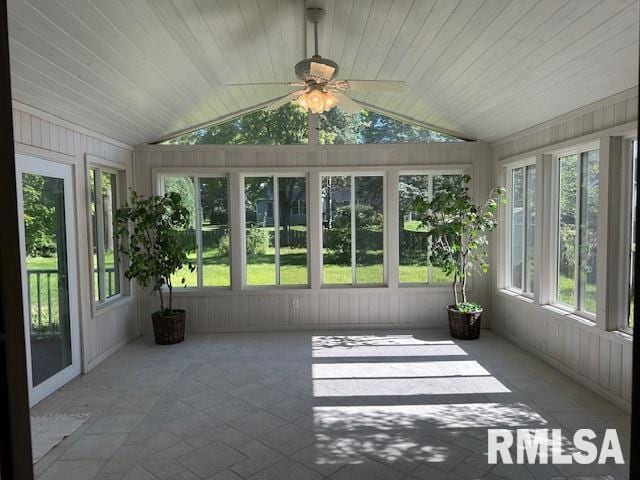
{"x": 298, "y": 406}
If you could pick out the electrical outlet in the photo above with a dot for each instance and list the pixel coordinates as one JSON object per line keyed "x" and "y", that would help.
{"x": 556, "y": 330}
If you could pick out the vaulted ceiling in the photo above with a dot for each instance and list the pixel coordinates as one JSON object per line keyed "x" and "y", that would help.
{"x": 139, "y": 70}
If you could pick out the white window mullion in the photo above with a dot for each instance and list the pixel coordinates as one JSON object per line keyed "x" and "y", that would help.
{"x": 276, "y": 227}
{"x": 198, "y": 227}
{"x": 353, "y": 229}
{"x": 429, "y": 240}
{"x": 525, "y": 240}
{"x": 100, "y": 235}
{"x": 315, "y": 246}
{"x": 578, "y": 227}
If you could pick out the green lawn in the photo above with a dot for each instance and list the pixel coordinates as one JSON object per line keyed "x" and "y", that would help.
{"x": 566, "y": 293}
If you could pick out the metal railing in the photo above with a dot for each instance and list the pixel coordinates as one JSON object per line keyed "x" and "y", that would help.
{"x": 43, "y": 297}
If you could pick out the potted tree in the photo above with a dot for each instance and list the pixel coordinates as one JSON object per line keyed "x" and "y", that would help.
{"x": 151, "y": 235}
{"x": 458, "y": 228}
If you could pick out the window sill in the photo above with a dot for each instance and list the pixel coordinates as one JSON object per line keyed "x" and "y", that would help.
{"x": 516, "y": 295}
{"x": 107, "y": 306}
{"x": 559, "y": 310}
{"x": 307, "y": 290}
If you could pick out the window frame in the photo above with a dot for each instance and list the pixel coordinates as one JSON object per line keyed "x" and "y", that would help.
{"x": 431, "y": 172}
{"x": 123, "y": 176}
{"x": 524, "y": 164}
{"x": 353, "y": 173}
{"x": 577, "y": 150}
{"x": 196, "y": 175}
{"x": 276, "y": 229}
{"x": 628, "y": 212}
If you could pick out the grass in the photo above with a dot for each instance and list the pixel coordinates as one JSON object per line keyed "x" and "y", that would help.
{"x": 566, "y": 293}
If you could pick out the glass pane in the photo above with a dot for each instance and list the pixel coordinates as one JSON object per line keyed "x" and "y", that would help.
{"x": 413, "y": 243}
{"x": 260, "y": 245}
{"x": 588, "y": 230}
{"x": 567, "y": 230}
{"x": 517, "y": 224}
{"x": 185, "y": 186}
{"x": 339, "y": 127}
{"x": 369, "y": 230}
{"x": 94, "y": 226}
{"x": 287, "y": 125}
{"x": 292, "y": 221}
{"x": 634, "y": 201}
{"x": 336, "y": 230}
{"x": 109, "y": 207}
{"x": 531, "y": 229}
{"x": 214, "y": 202}
{"x": 47, "y": 275}
{"x": 443, "y": 183}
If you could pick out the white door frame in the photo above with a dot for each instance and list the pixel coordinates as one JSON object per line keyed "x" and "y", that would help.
{"x": 39, "y": 166}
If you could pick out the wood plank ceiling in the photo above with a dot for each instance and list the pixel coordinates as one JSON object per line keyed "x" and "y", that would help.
{"x": 138, "y": 70}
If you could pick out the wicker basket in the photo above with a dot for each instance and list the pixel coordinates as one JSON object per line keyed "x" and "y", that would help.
{"x": 464, "y": 326}
{"x": 169, "y": 329}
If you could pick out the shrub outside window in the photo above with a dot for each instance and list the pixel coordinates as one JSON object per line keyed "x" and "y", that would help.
{"x": 103, "y": 186}
{"x": 276, "y": 231}
{"x": 207, "y": 238}
{"x": 353, "y": 229}
{"x": 414, "y": 244}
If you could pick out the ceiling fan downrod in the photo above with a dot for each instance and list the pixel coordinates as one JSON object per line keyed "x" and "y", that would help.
{"x": 315, "y": 16}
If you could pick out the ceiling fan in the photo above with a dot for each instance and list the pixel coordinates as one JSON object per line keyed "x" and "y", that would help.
{"x": 319, "y": 92}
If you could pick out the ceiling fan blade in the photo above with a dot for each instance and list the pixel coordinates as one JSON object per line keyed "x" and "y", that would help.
{"x": 321, "y": 71}
{"x": 278, "y": 102}
{"x": 268, "y": 84}
{"x": 347, "y": 104}
{"x": 380, "y": 85}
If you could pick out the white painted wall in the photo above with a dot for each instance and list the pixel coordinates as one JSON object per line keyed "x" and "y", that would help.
{"x": 238, "y": 310}
{"x": 586, "y": 351}
{"x": 43, "y": 135}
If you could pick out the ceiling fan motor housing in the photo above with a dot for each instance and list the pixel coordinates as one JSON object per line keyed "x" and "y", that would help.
{"x": 318, "y": 75}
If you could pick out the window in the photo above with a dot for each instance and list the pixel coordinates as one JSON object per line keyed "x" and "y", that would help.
{"x": 103, "y": 185}
{"x": 276, "y": 231}
{"x": 339, "y": 127}
{"x": 577, "y": 230}
{"x": 299, "y": 207}
{"x": 287, "y": 125}
{"x": 353, "y": 230}
{"x": 632, "y": 250}
{"x": 207, "y": 238}
{"x": 415, "y": 244}
{"x": 521, "y": 239}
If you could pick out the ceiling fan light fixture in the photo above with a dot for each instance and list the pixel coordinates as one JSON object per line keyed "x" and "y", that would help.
{"x": 317, "y": 101}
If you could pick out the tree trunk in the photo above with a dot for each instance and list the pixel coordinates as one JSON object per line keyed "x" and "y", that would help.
{"x": 161, "y": 299}
{"x": 464, "y": 278}
{"x": 454, "y": 286}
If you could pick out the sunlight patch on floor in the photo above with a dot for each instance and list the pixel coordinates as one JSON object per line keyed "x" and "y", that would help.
{"x": 398, "y": 369}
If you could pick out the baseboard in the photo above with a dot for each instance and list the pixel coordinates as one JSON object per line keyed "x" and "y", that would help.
{"x": 323, "y": 327}
{"x": 107, "y": 353}
{"x": 590, "y": 384}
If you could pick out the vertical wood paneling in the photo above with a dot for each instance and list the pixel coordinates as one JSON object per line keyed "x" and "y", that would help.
{"x": 101, "y": 334}
{"x": 617, "y": 110}
{"x": 597, "y": 358}
{"x": 317, "y": 307}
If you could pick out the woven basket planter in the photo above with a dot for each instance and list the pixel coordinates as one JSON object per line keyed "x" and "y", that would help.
{"x": 169, "y": 329}
{"x": 464, "y": 326}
